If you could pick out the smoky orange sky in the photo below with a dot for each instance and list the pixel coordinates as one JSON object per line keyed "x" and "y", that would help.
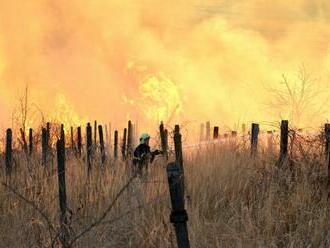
{"x": 151, "y": 60}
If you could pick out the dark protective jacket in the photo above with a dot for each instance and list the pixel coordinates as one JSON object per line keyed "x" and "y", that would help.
{"x": 143, "y": 156}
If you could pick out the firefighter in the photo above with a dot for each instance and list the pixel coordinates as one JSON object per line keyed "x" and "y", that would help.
{"x": 142, "y": 154}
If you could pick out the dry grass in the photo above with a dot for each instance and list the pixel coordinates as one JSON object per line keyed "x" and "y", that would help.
{"x": 233, "y": 200}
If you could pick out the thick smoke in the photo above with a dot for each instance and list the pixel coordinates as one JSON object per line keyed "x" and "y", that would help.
{"x": 110, "y": 60}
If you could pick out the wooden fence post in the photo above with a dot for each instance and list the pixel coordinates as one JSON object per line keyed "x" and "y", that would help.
{"x": 9, "y": 150}
{"x": 48, "y": 134}
{"x": 44, "y": 146}
{"x": 178, "y": 152}
{"x": 62, "y": 133}
{"x": 64, "y": 235}
{"x": 24, "y": 143}
{"x": 208, "y": 131}
{"x": 101, "y": 144}
{"x": 327, "y": 140}
{"x": 89, "y": 146}
{"x": 95, "y": 133}
{"x": 79, "y": 145}
{"x": 163, "y": 140}
{"x": 179, "y": 216}
{"x": 178, "y": 147}
{"x": 129, "y": 139}
{"x": 30, "y": 141}
{"x": 115, "y": 145}
{"x": 327, "y": 148}
{"x": 284, "y": 141}
{"x": 254, "y": 138}
{"x": 216, "y": 132}
{"x": 123, "y": 147}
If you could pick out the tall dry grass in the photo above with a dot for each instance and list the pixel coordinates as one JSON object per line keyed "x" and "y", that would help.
{"x": 232, "y": 199}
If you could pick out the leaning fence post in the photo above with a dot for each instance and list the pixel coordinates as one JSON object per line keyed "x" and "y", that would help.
{"x": 123, "y": 148}
{"x": 30, "y": 141}
{"x": 284, "y": 141}
{"x": 60, "y": 147}
{"x": 101, "y": 144}
{"x": 89, "y": 146}
{"x": 254, "y": 138}
{"x": 79, "y": 145}
{"x": 9, "y": 150}
{"x": 163, "y": 140}
{"x": 216, "y": 132}
{"x": 115, "y": 145}
{"x": 179, "y": 216}
{"x": 44, "y": 146}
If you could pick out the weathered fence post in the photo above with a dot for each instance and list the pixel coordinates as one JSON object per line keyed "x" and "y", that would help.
{"x": 115, "y": 145}
{"x": 24, "y": 143}
{"x": 178, "y": 152}
{"x": 64, "y": 235}
{"x": 44, "y": 146}
{"x": 9, "y": 151}
{"x": 327, "y": 139}
{"x": 215, "y": 132}
{"x": 129, "y": 139}
{"x": 208, "y": 131}
{"x": 179, "y": 216}
{"x": 166, "y": 139}
{"x": 284, "y": 141}
{"x": 123, "y": 147}
{"x": 62, "y": 137}
{"x": 178, "y": 147}
{"x": 48, "y": 134}
{"x": 30, "y": 141}
{"x": 79, "y": 144}
{"x": 327, "y": 148}
{"x": 163, "y": 140}
{"x": 95, "y": 133}
{"x": 254, "y": 138}
{"x": 89, "y": 146}
{"x": 101, "y": 144}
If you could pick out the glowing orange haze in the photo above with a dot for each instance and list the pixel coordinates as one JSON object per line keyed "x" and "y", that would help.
{"x": 147, "y": 60}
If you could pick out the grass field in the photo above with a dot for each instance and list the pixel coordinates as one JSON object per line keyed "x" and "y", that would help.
{"x": 232, "y": 199}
